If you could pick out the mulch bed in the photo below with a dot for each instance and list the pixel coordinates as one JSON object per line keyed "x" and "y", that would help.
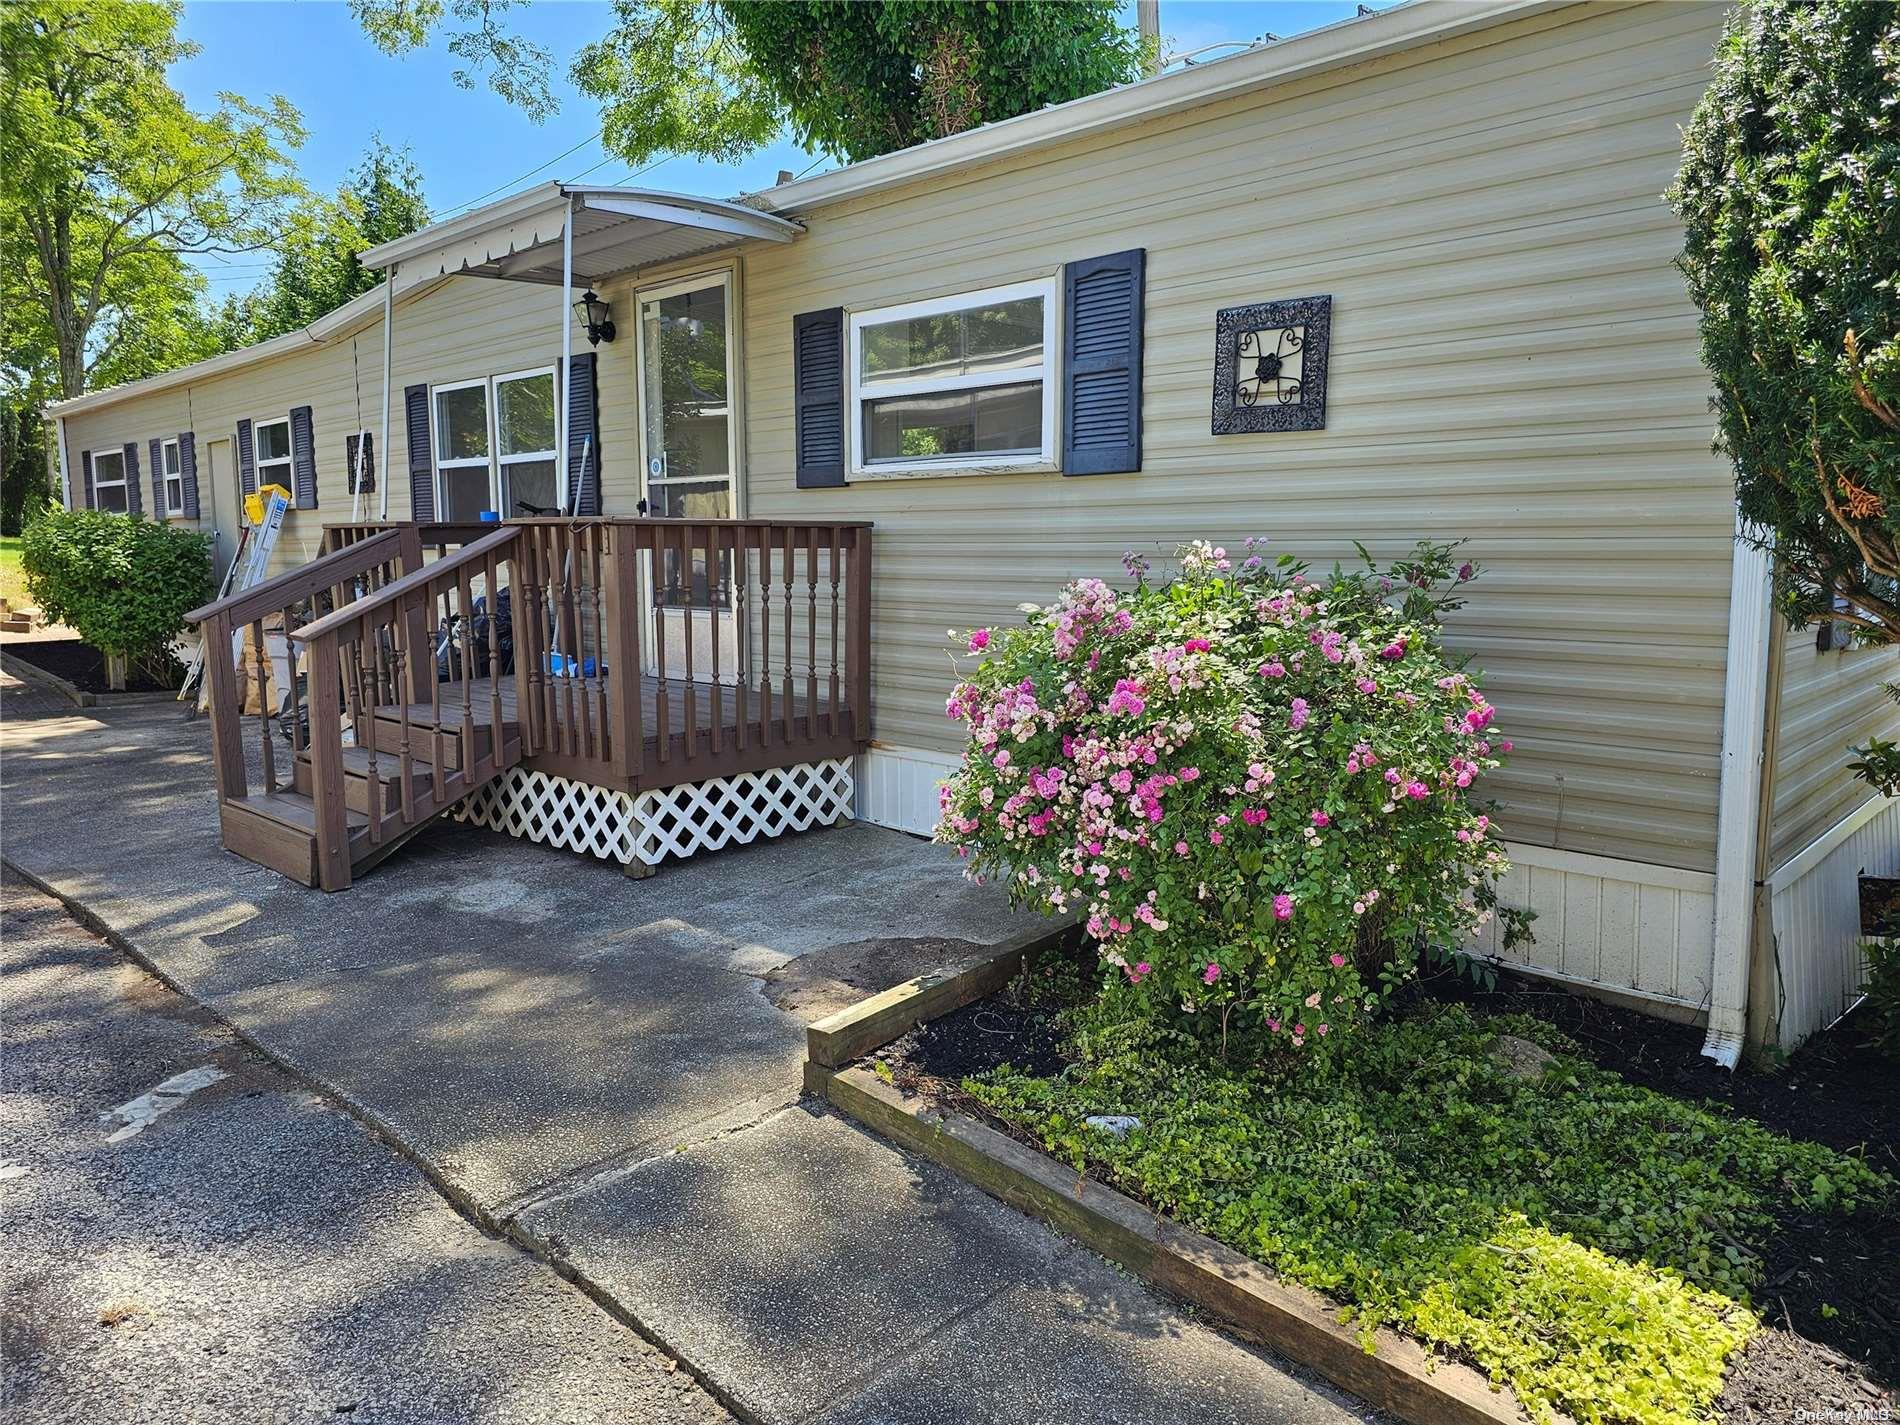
{"x": 83, "y": 666}
{"x": 1834, "y": 1090}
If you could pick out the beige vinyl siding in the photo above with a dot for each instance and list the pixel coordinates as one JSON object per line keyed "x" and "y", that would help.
{"x": 1829, "y": 702}
{"x": 1513, "y": 359}
{"x": 464, "y": 327}
{"x": 160, "y": 417}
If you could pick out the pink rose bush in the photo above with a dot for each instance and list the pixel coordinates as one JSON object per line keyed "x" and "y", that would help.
{"x": 1255, "y": 789}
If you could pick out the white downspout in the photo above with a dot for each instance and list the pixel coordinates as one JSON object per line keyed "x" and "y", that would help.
{"x": 389, "y": 316}
{"x": 65, "y": 470}
{"x": 567, "y": 355}
{"x": 1738, "y": 806}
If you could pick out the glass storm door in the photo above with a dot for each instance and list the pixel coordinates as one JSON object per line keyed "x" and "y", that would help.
{"x": 687, "y": 439}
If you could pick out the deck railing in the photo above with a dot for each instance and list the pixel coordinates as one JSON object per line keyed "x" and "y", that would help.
{"x": 671, "y": 651}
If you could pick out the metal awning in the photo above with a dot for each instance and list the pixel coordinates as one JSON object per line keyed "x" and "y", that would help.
{"x": 615, "y": 230}
{"x": 559, "y": 234}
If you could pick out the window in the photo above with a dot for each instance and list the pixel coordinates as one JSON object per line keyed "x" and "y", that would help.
{"x": 270, "y": 443}
{"x": 174, "y": 480}
{"x": 461, "y": 443}
{"x": 524, "y": 442}
{"x": 961, "y": 382}
{"x": 495, "y": 446}
{"x": 108, "y": 480}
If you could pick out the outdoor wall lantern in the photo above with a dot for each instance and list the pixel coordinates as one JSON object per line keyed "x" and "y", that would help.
{"x": 1270, "y": 366}
{"x": 596, "y": 316}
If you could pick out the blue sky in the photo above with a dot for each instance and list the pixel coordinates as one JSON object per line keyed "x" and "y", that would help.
{"x": 469, "y": 144}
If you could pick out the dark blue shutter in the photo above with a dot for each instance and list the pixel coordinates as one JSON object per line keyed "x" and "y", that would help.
{"x": 818, "y": 386}
{"x": 303, "y": 459}
{"x": 367, "y": 485}
{"x": 134, "y": 499}
{"x": 1101, "y": 363}
{"x": 415, "y": 400}
{"x": 247, "y": 460}
{"x": 160, "y": 509}
{"x": 188, "y": 465}
{"x": 583, "y": 436}
{"x": 85, "y": 464}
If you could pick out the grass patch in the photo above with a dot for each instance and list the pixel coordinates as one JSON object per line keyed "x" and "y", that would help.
{"x": 12, "y": 580}
{"x": 1588, "y": 1242}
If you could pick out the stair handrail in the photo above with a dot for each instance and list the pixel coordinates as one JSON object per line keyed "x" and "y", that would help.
{"x": 321, "y": 573}
{"x": 408, "y": 584}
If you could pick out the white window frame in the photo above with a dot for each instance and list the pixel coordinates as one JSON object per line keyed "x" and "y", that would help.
{"x": 1047, "y": 373}
{"x": 119, "y": 480}
{"x": 464, "y": 462}
{"x": 499, "y": 483}
{"x": 289, "y": 462}
{"x": 172, "y": 470}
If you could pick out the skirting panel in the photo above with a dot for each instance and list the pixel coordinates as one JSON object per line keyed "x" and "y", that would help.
{"x": 1816, "y": 909}
{"x": 1643, "y": 931}
{"x": 678, "y": 821}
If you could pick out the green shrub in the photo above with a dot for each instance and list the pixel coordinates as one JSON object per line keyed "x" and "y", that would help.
{"x": 1591, "y": 1243}
{"x": 1254, "y": 787}
{"x": 1883, "y": 994}
{"x": 122, "y": 582}
{"x": 1787, "y": 195}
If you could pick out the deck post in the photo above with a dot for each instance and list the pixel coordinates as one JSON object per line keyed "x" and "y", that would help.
{"x": 382, "y": 451}
{"x": 326, "y": 768}
{"x": 621, "y": 647}
{"x": 221, "y": 690}
{"x": 859, "y": 650}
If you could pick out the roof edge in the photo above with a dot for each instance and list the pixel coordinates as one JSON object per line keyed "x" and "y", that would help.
{"x": 325, "y": 329}
{"x": 1335, "y": 46}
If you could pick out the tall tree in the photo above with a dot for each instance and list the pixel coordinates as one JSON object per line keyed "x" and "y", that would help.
{"x": 317, "y": 269}
{"x": 849, "y": 78}
{"x": 1787, "y": 194}
{"x": 112, "y": 179}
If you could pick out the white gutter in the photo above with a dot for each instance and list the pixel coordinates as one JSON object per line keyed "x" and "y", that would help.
{"x": 567, "y": 362}
{"x": 1347, "y": 42}
{"x": 1738, "y": 807}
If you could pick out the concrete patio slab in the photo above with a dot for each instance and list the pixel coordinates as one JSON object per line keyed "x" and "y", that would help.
{"x": 859, "y": 1284}
{"x": 509, "y": 1012}
{"x": 609, "y": 1070}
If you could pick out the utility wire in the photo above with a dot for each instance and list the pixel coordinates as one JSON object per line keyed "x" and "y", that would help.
{"x": 441, "y": 213}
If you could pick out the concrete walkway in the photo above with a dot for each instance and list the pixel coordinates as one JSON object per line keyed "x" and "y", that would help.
{"x": 609, "y": 1071}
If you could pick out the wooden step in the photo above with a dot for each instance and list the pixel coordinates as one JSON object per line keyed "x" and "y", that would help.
{"x": 357, "y": 793}
{"x": 387, "y": 735}
{"x": 279, "y": 830}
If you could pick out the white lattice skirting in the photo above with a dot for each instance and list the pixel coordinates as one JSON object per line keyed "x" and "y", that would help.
{"x": 680, "y": 821}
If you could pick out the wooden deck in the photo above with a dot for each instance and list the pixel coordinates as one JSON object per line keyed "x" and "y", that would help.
{"x": 692, "y": 729}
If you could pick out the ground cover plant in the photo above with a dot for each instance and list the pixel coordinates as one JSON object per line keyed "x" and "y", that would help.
{"x": 1591, "y": 1243}
{"x": 1252, "y": 785}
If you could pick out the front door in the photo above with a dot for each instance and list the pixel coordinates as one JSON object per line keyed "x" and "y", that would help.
{"x": 688, "y": 444}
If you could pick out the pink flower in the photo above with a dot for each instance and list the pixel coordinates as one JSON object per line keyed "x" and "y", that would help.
{"x": 1139, "y": 973}
{"x": 1273, "y": 1026}
{"x": 1465, "y": 571}
{"x": 1212, "y": 973}
{"x": 979, "y": 640}
{"x": 1312, "y": 1000}
{"x": 1215, "y": 837}
{"x": 1368, "y": 687}
{"x": 1196, "y": 645}
{"x": 1339, "y": 962}
{"x": 1393, "y": 651}
{"x": 1001, "y": 759}
{"x": 1418, "y": 791}
{"x": 1275, "y": 669}
{"x": 1180, "y": 848}
{"x": 1296, "y": 719}
{"x": 1319, "y": 1029}
{"x": 1282, "y": 906}
{"x": 1321, "y": 819}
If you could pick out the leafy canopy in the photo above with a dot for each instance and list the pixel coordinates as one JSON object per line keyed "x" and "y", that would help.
{"x": 849, "y": 78}
{"x": 317, "y": 269}
{"x": 1789, "y": 187}
{"x": 112, "y": 179}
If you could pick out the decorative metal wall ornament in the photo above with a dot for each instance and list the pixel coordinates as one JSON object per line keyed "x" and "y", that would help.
{"x": 1270, "y": 366}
